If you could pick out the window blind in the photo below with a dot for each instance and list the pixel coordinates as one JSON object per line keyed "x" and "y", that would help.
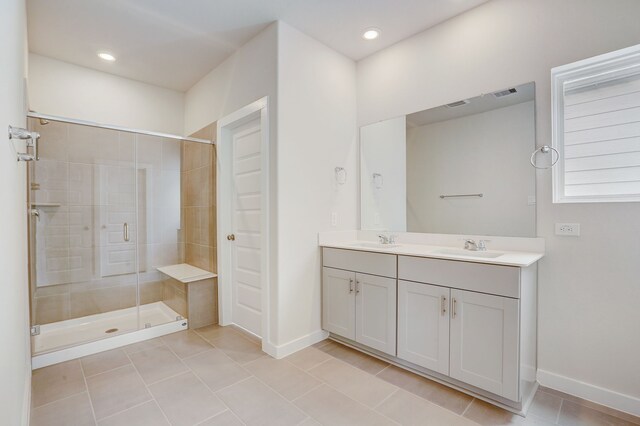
{"x": 598, "y": 133}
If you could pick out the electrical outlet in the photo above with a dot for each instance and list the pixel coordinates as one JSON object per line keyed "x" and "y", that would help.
{"x": 568, "y": 229}
{"x": 334, "y": 219}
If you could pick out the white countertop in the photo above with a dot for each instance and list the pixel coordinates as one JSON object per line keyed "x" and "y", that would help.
{"x": 186, "y": 273}
{"x": 508, "y": 258}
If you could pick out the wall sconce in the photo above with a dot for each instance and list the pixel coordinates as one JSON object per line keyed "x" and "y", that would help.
{"x": 341, "y": 175}
{"x": 378, "y": 181}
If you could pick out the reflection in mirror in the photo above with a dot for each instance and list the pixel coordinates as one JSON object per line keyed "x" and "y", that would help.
{"x": 461, "y": 168}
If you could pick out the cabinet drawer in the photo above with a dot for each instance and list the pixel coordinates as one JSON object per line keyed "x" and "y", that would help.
{"x": 360, "y": 261}
{"x": 492, "y": 279}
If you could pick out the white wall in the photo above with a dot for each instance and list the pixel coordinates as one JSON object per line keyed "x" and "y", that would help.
{"x": 588, "y": 299}
{"x": 15, "y": 356}
{"x": 383, "y": 150}
{"x": 67, "y": 90}
{"x": 316, "y": 133}
{"x": 246, "y": 76}
{"x": 485, "y": 153}
{"x": 313, "y": 88}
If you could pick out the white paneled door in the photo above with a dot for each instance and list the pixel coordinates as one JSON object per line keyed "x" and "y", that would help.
{"x": 246, "y": 217}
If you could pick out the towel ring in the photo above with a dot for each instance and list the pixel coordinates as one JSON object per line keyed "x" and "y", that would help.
{"x": 545, "y": 149}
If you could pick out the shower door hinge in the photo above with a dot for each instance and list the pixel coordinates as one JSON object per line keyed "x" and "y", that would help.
{"x": 35, "y": 330}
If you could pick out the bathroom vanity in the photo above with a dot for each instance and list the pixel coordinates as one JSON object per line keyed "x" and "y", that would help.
{"x": 455, "y": 298}
{"x": 463, "y": 318}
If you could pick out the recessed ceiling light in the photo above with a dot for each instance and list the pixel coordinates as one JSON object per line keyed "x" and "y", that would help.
{"x": 371, "y": 34}
{"x": 106, "y": 56}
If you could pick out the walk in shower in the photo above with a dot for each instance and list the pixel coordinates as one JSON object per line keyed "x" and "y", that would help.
{"x": 107, "y": 209}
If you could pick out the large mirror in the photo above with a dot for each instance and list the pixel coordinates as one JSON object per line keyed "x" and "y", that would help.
{"x": 460, "y": 168}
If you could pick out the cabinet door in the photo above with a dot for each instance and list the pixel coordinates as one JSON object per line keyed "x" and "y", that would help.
{"x": 423, "y": 325}
{"x": 376, "y": 312}
{"x": 484, "y": 342}
{"x": 338, "y": 302}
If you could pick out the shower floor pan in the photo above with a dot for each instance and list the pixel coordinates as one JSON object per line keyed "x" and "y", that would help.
{"x": 78, "y": 337}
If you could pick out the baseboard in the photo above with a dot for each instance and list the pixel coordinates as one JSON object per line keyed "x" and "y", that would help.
{"x": 26, "y": 399}
{"x": 602, "y": 396}
{"x": 281, "y": 351}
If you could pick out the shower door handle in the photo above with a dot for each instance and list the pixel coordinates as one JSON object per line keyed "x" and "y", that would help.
{"x": 125, "y": 232}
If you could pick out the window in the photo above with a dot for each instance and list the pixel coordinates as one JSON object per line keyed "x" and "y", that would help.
{"x": 596, "y": 128}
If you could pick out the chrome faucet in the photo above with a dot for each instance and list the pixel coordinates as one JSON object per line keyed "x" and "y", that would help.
{"x": 473, "y": 246}
{"x": 387, "y": 239}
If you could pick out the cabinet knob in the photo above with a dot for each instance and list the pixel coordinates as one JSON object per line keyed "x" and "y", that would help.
{"x": 231, "y": 237}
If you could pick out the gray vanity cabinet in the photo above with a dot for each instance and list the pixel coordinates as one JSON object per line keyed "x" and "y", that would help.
{"x": 339, "y": 302}
{"x": 467, "y": 323}
{"x": 470, "y": 336}
{"x": 376, "y": 312}
{"x": 423, "y": 325}
{"x": 359, "y": 303}
{"x": 485, "y": 341}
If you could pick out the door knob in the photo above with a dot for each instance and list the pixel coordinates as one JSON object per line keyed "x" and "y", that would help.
{"x": 231, "y": 237}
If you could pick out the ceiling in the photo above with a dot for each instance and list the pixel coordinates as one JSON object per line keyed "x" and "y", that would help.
{"x": 174, "y": 43}
{"x": 479, "y": 104}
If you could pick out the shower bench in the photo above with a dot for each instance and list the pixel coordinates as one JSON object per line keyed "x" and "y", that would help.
{"x": 192, "y": 292}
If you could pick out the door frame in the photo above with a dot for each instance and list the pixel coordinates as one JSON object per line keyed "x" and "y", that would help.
{"x": 225, "y": 126}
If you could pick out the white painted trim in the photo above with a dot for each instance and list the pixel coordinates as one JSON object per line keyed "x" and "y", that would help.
{"x": 528, "y": 372}
{"x": 257, "y": 109}
{"x": 90, "y": 348}
{"x": 580, "y": 70}
{"x": 26, "y": 399}
{"x": 607, "y": 397}
{"x": 281, "y": 351}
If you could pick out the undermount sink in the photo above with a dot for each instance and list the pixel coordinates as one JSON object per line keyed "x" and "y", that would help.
{"x": 376, "y": 245}
{"x": 469, "y": 253}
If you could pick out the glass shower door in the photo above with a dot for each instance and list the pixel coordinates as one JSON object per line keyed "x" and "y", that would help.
{"x": 107, "y": 211}
{"x": 83, "y": 234}
{"x": 160, "y": 231}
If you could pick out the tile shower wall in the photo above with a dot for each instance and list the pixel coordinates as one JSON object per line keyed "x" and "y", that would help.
{"x": 199, "y": 201}
{"x": 199, "y": 225}
{"x": 84, "y": 181}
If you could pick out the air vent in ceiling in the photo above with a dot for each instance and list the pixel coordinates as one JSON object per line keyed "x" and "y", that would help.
{"x": 457, "y": 104}
{"x": 505, "y": 92}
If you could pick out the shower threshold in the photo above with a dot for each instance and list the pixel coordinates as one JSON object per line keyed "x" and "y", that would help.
{"x": 78, "y": 337}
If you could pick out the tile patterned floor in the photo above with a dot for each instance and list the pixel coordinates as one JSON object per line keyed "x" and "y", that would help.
{"x": 218, "y": 376}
